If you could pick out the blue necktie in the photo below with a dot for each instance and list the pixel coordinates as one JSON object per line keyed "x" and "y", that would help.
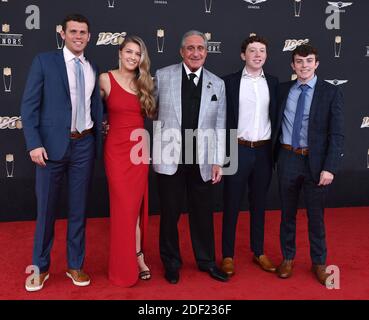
{"x": 80, "y": 114}
{"x": 297, "y": 123}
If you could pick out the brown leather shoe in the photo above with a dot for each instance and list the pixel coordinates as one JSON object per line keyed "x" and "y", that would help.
{"x": 284, "y": 270}
{"x": 228, "y": 266}
{"x": 320, "y": 272}
{"x": 36, "y": 283}
{"x": 264, "y": 263}
{"x": 78, "y": 277}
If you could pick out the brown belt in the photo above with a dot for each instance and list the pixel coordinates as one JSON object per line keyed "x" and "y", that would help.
{"x": 77, "y": 135}
{"x": 253, "y": 144}
{"x": 300, "y": 151}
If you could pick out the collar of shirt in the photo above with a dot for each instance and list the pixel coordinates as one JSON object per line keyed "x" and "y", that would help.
{"x": 246, "y": 74}
{"x": 68, "y": 55}
{"x": 188, "y": 71}
{"x": 311, "y": 83}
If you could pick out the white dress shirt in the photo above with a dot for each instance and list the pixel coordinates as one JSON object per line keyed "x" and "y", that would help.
{"x": 90, "y": 78}
{"x": 253, "y": 118}
{"x": 197, "y": 73}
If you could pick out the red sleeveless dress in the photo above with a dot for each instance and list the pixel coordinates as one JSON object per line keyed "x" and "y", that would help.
{"x": 127, "y": 182}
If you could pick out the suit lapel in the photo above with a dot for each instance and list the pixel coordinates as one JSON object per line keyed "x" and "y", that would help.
{"x": 315, "y": 101}
{"x": 205, "y": 95}
{"x": 176, "y": 87}
{"x": 284, "y": 96}
{"x": 235, "y": 95}
{"x": 59, "y": 58}
{"x": 271, "y": 96}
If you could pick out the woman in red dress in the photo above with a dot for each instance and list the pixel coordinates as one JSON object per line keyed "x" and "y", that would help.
{"x": 128, "y": 93}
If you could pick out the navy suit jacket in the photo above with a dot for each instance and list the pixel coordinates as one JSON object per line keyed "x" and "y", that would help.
{"x": 47, "y": 109}
{"x": 325, "y": 129}
{"x": 232, "y": 85}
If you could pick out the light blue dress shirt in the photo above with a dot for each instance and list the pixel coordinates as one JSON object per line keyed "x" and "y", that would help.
{"x": 290, "y": 110}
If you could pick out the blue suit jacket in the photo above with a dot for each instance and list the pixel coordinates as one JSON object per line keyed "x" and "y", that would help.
{"x": 232, "y": 84}
{"x": 46, "y": 106}
{"x": 325, "y": 129}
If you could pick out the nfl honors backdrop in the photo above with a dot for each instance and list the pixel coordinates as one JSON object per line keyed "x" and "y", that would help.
{"x": 337, "y": 29}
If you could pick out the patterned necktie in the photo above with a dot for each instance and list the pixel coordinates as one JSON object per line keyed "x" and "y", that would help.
{"x": 297, "y": 123}
{"x": 80, "y": 114}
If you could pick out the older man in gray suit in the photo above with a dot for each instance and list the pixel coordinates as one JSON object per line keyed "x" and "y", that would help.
{"x": 188, "y": 153}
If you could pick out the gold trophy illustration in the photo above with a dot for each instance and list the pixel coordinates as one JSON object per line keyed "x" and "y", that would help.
{"x": 59, "y": 39}
{"x": 5, "y": 28}
{"x": 297, "y": 5}
{"x": 337, "y": 46}
{"x": 7, "y": 79}
{"x": 9, "y": 163}
{"x": 208, "y": 4}
{"x": 160, "y": 40}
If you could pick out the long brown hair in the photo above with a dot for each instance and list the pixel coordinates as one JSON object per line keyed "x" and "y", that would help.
{"x": 143, "y": 81}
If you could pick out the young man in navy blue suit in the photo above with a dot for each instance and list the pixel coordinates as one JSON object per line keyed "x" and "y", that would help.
{"x": 309, "y": 147}
{"x": 251, "y": 110}
{"x": 62, "y": 116}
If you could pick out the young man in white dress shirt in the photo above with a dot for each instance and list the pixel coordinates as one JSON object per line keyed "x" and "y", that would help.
{"x": 251, "y": 110}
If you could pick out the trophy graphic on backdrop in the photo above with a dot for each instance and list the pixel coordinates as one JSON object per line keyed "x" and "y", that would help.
{"x": 9, "y": 164}
{"x": 365, "y": 123}
{"x": 59, "y": 39}
{"x": 5, "y": 28}
{"x": 7, "y": 79}
{"x": 337, "y": 46}
{"x": 293, "y": 77}
{"x": 208, "y": 4}
{"x": 213, "y": 46}
{"x": 111, "y": 3}
{"x": 297, "y": 5}
{"x": 160, "y": 40}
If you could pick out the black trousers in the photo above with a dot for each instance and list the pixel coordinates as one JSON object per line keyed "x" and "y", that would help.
{"x": 254, "y": 174}
{"x": 293, "y": 176}
{"x": 172, "y": 190}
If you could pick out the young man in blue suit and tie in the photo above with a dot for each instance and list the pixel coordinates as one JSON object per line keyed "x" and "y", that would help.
{"x": 62, "y": 116}
{"x": 251, "y": 110}
{"x": 309, "y": 147}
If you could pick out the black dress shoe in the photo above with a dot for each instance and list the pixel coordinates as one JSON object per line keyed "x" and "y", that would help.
{"x": 172, "y": 276}
{"x": 216, "y": 273}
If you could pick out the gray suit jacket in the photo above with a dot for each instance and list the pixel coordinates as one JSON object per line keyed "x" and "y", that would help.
{"x": 167, "y": 128}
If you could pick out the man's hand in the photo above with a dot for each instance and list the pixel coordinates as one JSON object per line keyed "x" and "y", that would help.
{"x": 326, "y": 178}
{"x": 39, "y": 156}
{"x": 217, "y": 173}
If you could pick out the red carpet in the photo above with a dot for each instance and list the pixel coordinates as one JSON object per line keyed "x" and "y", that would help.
{"x": 348, "y": 248}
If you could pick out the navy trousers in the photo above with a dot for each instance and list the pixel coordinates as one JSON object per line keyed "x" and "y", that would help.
{"x": 254, "y": 175}
{"x": 293, "y": 176}
{"x": 77, "y": 165}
